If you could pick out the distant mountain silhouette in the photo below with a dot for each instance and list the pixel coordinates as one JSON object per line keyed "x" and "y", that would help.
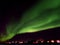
{"x": 46, "y": 35}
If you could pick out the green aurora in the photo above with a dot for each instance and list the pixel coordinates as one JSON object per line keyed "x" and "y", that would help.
{"x": 42, "y": 16}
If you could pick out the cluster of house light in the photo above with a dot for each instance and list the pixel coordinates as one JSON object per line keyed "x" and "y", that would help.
{"x": 42, "y": 41}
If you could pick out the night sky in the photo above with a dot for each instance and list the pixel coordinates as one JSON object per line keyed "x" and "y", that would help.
{"x": 12, "y": 12}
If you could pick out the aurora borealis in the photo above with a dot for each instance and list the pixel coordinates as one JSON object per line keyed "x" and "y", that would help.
{"x": 41, "y": 16}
